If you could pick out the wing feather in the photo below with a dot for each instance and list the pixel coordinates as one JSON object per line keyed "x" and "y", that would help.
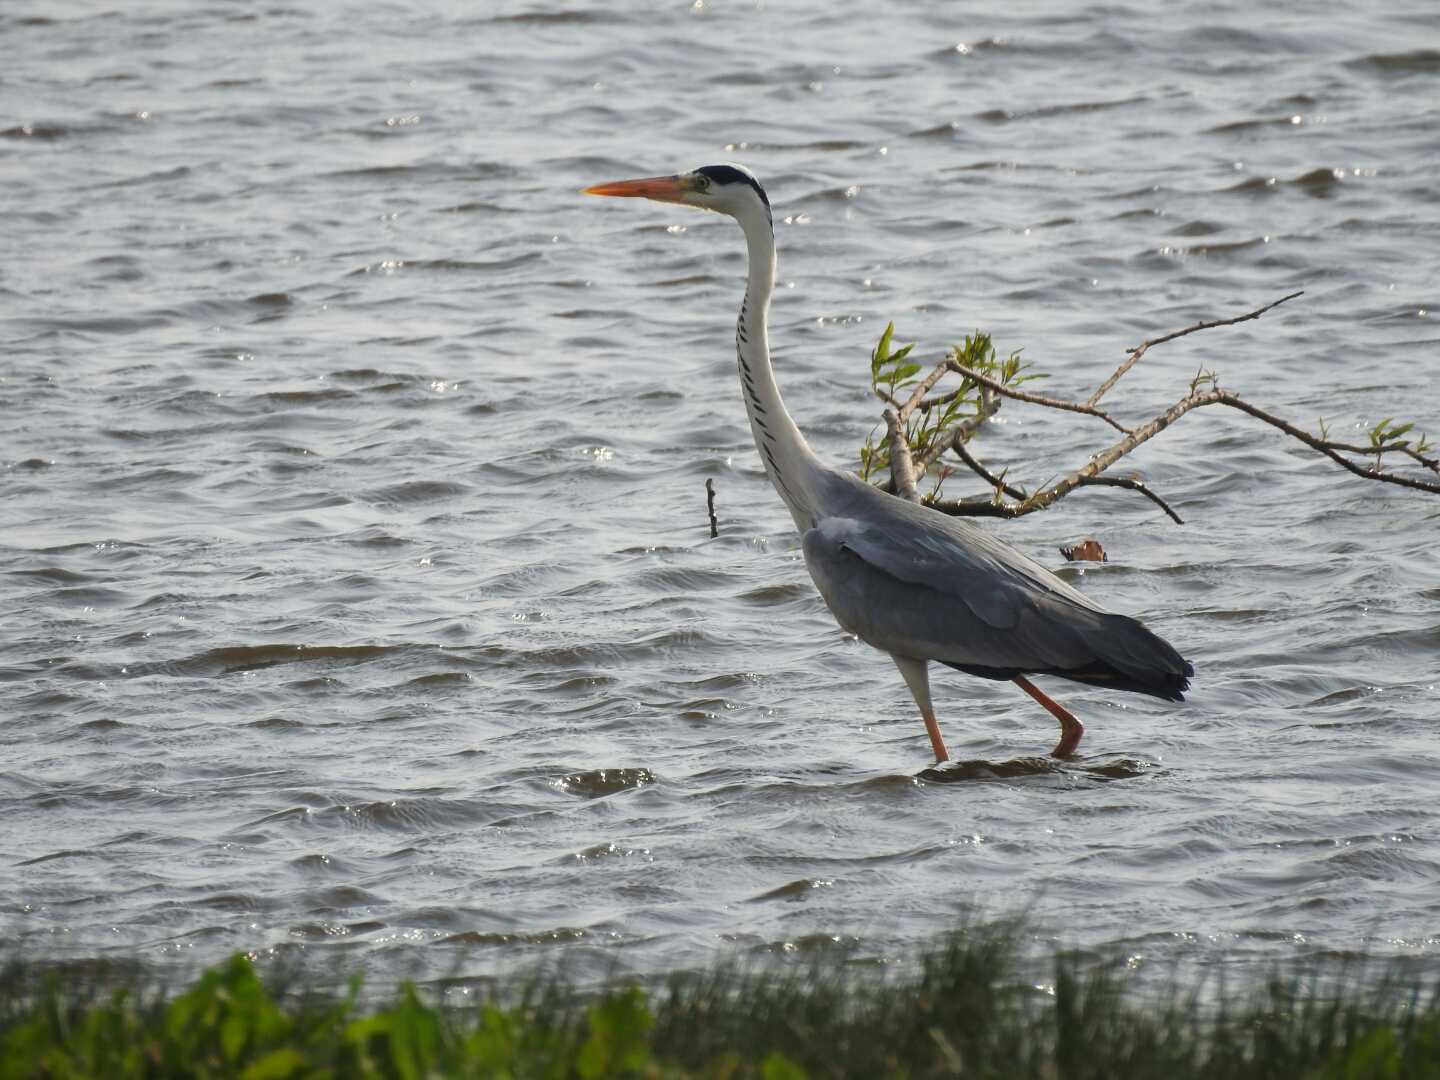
{"x": 917, "y": 583}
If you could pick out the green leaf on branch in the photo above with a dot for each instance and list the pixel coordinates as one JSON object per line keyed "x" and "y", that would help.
{"x": 889, "y": 371}
{"x": 1386, "y": 432}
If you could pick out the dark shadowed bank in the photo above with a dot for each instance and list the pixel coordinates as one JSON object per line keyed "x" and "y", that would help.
{"x": 964, "y": 1010}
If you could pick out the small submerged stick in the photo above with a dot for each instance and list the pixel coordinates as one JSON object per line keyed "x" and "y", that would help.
{"x": 710, "y": 506}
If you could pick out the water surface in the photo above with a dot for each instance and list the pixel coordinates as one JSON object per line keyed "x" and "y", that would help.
{"x": 358, "y": 598}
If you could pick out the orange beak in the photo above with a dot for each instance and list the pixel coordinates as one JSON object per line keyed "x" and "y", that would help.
{"x": 659, "y": 188}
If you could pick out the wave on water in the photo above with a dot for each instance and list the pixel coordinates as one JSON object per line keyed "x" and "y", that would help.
{"x": 1399, "y": 65}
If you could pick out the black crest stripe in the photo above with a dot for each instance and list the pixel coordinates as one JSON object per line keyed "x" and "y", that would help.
{"x": 728, "y": 174}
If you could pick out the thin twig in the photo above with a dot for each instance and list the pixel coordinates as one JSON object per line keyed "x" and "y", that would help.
{"x": 1036, "y": 399}
{"x": 883, "y": 396}
{"x": 945, "y": 399}
{"x": 1131, "y": 484}
{"x": 989, "y": 405}
{"x": 1388, "y": 448}
{"x": 1111, "y": 454}
{"x": 985, "y": 474}
{"x": 925, "y": 386}
{"x": 1127, "y": 482}
{"x": 961, "y": 432}
{"x": 1088, "y": 474}
{"x": 1326, "y": 448}
{"x": 1139, "y": 350}
{"x": 1107, "y": 457}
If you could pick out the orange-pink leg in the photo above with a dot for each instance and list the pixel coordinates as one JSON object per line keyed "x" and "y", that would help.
{"x": 1070, "y": 728}
{"x": 936, "y": 742}
{"x": 917, "y": 678}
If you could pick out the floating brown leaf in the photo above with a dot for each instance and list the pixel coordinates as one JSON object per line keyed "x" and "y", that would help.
{"x": 1085, "y": 551}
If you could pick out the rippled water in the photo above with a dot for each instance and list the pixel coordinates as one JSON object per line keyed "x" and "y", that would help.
{"x": 357, "y": 590}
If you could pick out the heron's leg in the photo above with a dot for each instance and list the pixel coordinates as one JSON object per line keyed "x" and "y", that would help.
{"x": 1070, "y": 728}
{"x": 917, "y": 678}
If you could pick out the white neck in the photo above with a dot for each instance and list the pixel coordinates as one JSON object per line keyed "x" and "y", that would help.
{"x": 792, "y": 466}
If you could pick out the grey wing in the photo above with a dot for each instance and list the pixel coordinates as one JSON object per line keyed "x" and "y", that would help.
{"x": 915, "y": 583}
{"x": 897, "y": 595}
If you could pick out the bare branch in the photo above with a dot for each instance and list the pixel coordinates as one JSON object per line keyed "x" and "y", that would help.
{"x": 1035, "y": 399}
{"x": 1139, "y": 350}
{"x": 1107, "y": 457}
{"x": 1008, "y": 500}
{"x": 1089, "y": 473}
{"x": 976, "y": 508}
{"x": 902, "y": 466}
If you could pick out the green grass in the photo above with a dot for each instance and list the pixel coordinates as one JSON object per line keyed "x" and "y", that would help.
{"x": 966, "y": 1011}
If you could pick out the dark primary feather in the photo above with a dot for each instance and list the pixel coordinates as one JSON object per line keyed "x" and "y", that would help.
{"x": 917, "y": 583}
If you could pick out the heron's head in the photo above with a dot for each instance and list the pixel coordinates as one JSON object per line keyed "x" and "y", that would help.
{"x": 727, "y": 189}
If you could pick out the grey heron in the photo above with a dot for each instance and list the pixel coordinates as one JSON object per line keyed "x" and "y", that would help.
{"x": 907, "y": 579}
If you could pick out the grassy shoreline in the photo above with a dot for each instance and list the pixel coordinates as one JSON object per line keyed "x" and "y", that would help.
{"x": 966, "y": 1011}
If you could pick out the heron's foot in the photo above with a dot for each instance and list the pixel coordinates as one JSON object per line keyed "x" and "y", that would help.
{"x": 1071, "y": 731}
